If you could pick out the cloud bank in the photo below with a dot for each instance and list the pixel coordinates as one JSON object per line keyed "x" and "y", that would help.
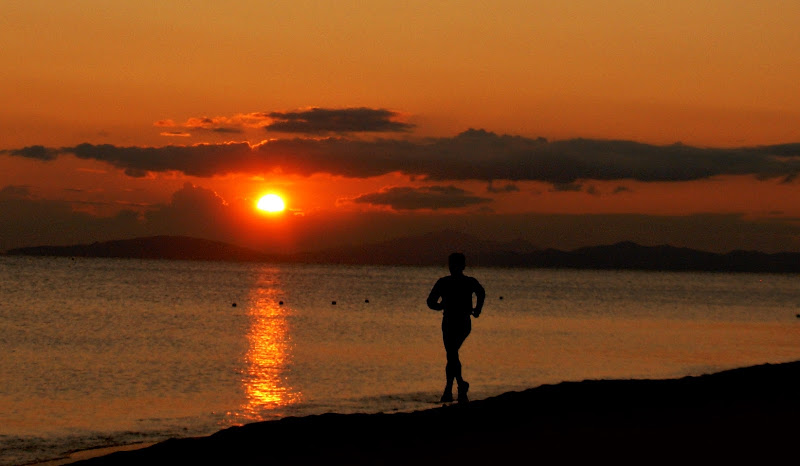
{"x": 472, "y": 155}
{"x": 429, "y": 197}
{"x": 349, "y": 120}
{"x": 197, "y": 211}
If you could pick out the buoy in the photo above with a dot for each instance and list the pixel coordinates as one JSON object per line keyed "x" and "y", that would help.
{"x": 234, "y": 304}
{"x": 333, "y": 303}
{"x": 366, "y": 300}
{"x": 501, "y": 297}
{"x": 280, "y": 303}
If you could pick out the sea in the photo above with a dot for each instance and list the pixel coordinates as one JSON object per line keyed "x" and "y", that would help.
{"x": 107, "y": 352}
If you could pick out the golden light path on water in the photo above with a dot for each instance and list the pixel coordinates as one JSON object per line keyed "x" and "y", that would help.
{"x": 264, "y": 380}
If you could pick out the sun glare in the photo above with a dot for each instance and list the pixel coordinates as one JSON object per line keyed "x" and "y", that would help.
{"x": 271, "y": 203}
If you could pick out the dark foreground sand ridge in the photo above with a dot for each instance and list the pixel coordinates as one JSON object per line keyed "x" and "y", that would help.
{"x": 742, "y": 416}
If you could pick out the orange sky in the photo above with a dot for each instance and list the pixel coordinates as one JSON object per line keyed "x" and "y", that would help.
{"x": 713, "y": 74}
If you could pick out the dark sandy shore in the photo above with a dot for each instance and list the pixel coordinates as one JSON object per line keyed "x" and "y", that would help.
{"x": 742, "y": 416}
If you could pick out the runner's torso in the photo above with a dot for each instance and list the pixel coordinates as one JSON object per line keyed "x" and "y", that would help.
{"x": 456, "y": 292}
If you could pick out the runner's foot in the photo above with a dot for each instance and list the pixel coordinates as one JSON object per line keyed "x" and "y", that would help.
{"x": 447, "y": 396}
{"x": 463, "y": 387}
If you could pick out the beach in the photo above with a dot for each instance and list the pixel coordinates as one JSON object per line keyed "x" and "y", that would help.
{"x": 108, "y": 353}
{"x": 750, "y": 414}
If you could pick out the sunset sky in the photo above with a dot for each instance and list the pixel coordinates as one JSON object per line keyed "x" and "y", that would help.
{"x": 562, "y": 123}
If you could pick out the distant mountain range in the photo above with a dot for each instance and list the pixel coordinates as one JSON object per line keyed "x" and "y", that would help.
{"x": 433, "y": 248}
{"x": 153, "y": 247}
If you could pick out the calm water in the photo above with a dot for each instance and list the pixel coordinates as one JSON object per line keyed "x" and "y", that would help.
{"x": 100, "y": 352}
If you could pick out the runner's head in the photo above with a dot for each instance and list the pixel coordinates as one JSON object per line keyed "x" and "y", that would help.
{"x": 456, "y": 262}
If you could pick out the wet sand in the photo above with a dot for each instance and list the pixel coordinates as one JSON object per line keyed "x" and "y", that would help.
{"x": 748, "y": 415}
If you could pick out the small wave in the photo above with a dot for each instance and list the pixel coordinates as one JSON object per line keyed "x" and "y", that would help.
{"x": 19, "y": 450}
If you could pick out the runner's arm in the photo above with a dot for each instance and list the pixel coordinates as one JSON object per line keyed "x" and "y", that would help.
{"x": 433, "y": 298}
{"x": 480, "y": 295}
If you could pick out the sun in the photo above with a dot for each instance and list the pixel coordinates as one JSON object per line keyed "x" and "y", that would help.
{"x": 271, "y": 203}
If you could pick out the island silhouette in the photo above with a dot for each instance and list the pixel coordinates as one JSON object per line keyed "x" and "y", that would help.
{"x": 422, "y": 250}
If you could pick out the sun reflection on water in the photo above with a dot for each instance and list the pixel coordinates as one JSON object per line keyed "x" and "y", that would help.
{"x": 265, "y": 381}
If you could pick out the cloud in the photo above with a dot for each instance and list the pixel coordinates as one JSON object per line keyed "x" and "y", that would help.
{"x": 215, "y": 125}
{"x": 578, "y": 187}
{"x": 316, "y": 121}
{"x": 224, "y": 130}
{"x": 35, "y": 152}
{"x": 429, "y": 197}
{"x": 472, "y": 155}
{"x": 176, "y": 134}
{"x": 567, "y": 187}
{"x": 507, "y": 188}
{"x": 191, "y": 209}
{"x": 197, "y": 211}
{"x": 15, "y": 192}
{"x": 29, "y": 221}
{"x": 202, "y": 160}
{"x": 220, "y": 125}
{"x": 345, "y": 120}
{"x": 784, "y": 150}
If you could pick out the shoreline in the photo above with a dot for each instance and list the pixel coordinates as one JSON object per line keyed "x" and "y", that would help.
{"x": 89, "y": 453}
{"x": 750, "y": 413}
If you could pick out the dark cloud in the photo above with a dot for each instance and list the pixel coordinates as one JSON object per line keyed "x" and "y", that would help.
{"x": 429, "y": 197}
{"x": 316, "y": 121}
{"x": 225, "y": 130}
{"x": 345, "y": 120}
{"x": 621, "y": 189}
{"x": 507, "y": 188}
{"x": 783, "y": 150}
{"x": 478, "y": 154}
{"x": 472, "y": 155}
{"x": 27, "y": 221}
{"x": 203, "y": 160}
{"x": 567, "y": 187}
{"x": 192, "y": 209}
{"x": 35, "y": 152}
{"x": 15, "y": 192}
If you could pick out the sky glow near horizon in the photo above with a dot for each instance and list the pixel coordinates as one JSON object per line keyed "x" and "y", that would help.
{"x": 566, "y": 124}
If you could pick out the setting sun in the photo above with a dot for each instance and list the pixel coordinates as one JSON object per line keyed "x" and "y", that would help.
{"x": 271, "y": 203}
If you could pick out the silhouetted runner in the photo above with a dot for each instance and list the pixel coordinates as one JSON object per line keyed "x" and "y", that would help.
{"x": 453, "y": 295}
